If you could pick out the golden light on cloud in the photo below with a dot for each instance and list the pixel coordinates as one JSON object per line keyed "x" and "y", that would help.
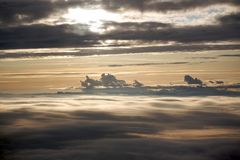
{"x": 92, "y": 17}
{"x": 192, "y": 134}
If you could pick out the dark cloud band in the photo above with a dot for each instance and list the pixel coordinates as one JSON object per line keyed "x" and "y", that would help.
{"x": 16, "y": 35}
{"x": 19, "y": 11}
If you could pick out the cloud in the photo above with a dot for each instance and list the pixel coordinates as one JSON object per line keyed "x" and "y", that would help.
{"x": 182, "y": 91}
{"x": 219, "y": 32}
{"x": 230, "y": 55}
{"x": 202, "y": 57}
{"x": 78, "y": 35}
{"x": 45, "y": 36}
{"x": 50, "y": 133}
{"x": 15, "y": 12}
{"x": 116, "y": 50}
{"x": 161, "y": 6}
{"x": 190, "y": 80}
{"x": 144, "y": 64}
{"x": 233, "y": 18}
{"x": 135, "y": 26}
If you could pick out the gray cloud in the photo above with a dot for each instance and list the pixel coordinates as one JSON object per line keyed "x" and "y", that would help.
{"x": 133, "y": 50}
{"x": 233, "y": 18}
{"x": 135, "y": 26}
{"x": 162, "y": 6}
{"x": 144, "y": 64}
{"x": 226, "y": 30}
{"x": 34, "y": 132}
{"x": 46, "y": 36}
{"x": 230, "y": 55}
{"x": 37, "y": 36}
{"x": 20, "y": 11}
{"x": 106, "y": 135}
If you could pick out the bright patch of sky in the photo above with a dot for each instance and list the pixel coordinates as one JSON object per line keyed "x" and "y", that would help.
{"x": 198, "y": 16}
{"x": 95, "y": 18}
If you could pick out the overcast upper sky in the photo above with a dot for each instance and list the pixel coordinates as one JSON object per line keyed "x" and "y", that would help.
{"x": 80, "y": 23}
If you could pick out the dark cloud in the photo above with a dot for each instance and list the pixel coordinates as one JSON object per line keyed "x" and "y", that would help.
{"x": 133, "y": 50}
{"x": 231, "y": 19}
{"x": 230, "y": 55}
{"x": 135, "y": 26}
{"x": 181, "y": 91}
{"x": 202, "y": 57}
{"x": 220, "y": 32}
{"x": 161, "y": 6}
{"x": 226, "y": 30}
{"x": 45, "y": 36}
{"x": 144, "y": 64}
{"x": 13, "y": 12}
{"x": 97, "y": 135}
{"x": 190, "y": 80}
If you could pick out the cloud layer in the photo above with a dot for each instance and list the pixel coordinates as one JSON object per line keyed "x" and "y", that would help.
{"x": 41, "y": 24}
{"x": 119, "y": 127}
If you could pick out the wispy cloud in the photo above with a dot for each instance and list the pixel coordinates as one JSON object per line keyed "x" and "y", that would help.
{"x": 119, "y": 50}
{"x": 144, "y": 64}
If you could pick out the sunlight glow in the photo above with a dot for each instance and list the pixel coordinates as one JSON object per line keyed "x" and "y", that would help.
{"x": 93, "y": 17}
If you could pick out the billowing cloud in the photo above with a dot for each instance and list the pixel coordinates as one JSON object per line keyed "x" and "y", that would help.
{"x": 33, "y": 127}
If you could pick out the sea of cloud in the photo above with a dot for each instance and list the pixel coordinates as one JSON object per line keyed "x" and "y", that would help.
{"x": 74, "y": 126}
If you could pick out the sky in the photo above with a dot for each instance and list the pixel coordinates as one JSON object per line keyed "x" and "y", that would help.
{"x": 98, "y": 23}
{"x": 52, "y": 44}
{"x": 47, "y": 47}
